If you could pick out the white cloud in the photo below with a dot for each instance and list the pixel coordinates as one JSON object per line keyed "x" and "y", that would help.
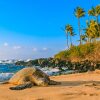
{"x": 34, "y": 49}
{"x": 17, "y": 47}
{"x": 45, "y": 49}
{"x": 5, "y": 44}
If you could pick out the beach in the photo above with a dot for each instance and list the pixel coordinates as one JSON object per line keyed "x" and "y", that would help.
{"x": 79, "y": 86}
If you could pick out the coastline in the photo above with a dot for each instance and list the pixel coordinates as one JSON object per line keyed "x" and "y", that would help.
{"x": 74, "y": 86}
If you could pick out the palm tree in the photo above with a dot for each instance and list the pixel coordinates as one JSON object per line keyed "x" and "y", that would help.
{"x": 66, "y": 31}
{"x": 95, "y": 11}
{"x": 93, "y": 30}
{"x": 69, "y": 30}
{"x": 71, "y": 34}
{"x": 98, "y": 11}
{"x": 79, "y": 12}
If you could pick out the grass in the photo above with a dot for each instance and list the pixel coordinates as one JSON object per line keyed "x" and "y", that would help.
{"x": 90, "y": 51}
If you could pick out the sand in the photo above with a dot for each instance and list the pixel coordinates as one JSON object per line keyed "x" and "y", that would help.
{"x": 84, "y": 86}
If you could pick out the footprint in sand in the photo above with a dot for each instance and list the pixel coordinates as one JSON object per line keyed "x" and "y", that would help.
{"x": 91, "y": 84}
{"x": 93, "y": 94}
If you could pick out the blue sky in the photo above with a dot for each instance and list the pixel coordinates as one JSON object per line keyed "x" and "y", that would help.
{"x": 32, "y": 28}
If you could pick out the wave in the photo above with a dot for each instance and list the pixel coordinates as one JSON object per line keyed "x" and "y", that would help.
{"x": 5, "y": 76}
{"x": 51, "y": 72}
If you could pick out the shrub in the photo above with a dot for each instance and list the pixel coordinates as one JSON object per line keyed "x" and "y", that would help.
{"x": 80, "y": 52}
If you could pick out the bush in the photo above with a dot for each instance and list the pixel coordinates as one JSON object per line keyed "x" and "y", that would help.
{"x": 79, "y": 52}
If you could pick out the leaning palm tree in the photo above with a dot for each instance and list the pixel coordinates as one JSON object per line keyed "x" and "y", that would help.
{"x": 79, "y": 12}
{"x": 70, "y": 32}
{"x": 95, "y": 11}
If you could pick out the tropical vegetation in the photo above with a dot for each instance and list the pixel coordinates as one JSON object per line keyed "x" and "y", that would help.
{"x": 85, "y": 56}
{"x": 89, "y": 46}
{"x": 91, "y": 32}
{"x": 79, "y": 12}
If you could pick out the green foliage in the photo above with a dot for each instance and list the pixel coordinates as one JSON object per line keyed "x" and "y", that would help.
{"x": 63, "y": 54}
{"x": 69, "y": 32}
{"x": 79, "y": 12}
{"x": 95, "y": 11}
{"x": 80, "y": 51}
{"x": 93, "y": 30}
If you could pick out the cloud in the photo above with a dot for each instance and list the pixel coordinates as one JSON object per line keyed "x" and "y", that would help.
{"x": 45, "y": 49}
{"x": 35, "y": 49}
{"x": 5, "y": 44}
{"x": 17, "y": 47}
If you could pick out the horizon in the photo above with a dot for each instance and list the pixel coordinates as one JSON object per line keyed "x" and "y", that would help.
{"x": 32, "y": 29}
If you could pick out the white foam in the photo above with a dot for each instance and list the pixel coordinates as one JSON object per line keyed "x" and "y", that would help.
{"x": 51, "y": 71}
{"x": 5, "y": 76}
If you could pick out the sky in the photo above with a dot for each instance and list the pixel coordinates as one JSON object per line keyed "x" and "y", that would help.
{"x": 31, "y": 29}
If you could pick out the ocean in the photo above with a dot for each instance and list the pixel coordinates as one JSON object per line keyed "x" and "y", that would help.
{"x": 7, "y": 71}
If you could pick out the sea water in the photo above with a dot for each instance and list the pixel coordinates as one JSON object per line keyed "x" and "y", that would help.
{"x": 7, "y": 71}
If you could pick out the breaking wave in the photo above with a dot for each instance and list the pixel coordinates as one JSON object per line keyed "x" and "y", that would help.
{"x": 5, "y": 76}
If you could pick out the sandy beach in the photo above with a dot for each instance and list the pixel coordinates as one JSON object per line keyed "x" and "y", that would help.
{"x": 73, "y": 87}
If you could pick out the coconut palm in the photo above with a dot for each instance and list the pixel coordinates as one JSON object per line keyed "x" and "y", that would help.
{"x": 98, "y": 9}
{"x": 95, "y": 11}
{"x": 93, "y": 30}
{"x": 71, "y": 34}
{"x": 69, "y": 30}
{"x": 66, "y": 31}
{"x": 79, "y": 12}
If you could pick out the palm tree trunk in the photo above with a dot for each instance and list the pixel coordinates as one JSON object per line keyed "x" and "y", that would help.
{"x": 70, "y": 41}
{"x": 67, "y": 40}
{"x": 88, "y": 40}
{"x": 79, "y": 30}
{"x": 97, "y": 19}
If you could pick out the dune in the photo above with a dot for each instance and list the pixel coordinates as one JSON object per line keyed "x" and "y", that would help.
{"x": 73, "y": 87}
